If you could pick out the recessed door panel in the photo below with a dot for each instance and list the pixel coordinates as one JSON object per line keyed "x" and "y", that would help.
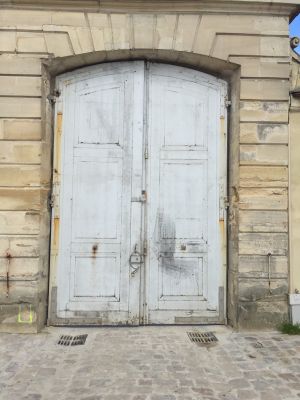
{"x": 183, "y": 199}
{"x": 100, "y": 110}
{"x": 97, "y": 184}
{"x": 183, "y": 111}
{"x": 96, "y": 278}
{"x": 180, "y": 276}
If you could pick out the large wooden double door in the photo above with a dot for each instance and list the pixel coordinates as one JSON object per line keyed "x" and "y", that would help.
{"x": 139, "y": 180}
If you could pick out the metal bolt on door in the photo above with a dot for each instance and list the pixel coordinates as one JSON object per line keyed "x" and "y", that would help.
{"x": 138, "y": 177}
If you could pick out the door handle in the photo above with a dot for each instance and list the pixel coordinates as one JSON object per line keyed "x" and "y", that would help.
{"x": 135, "y": 260}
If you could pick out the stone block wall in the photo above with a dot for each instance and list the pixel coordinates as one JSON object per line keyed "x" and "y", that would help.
{"x": 294, "y": 198}
{"x": 258, "y": 42}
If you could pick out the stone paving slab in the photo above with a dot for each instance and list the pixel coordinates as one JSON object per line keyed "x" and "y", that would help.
{"x": 149, "y": 363}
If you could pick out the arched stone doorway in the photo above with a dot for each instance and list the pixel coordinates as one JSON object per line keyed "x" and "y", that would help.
{"x": 139, "y": 222}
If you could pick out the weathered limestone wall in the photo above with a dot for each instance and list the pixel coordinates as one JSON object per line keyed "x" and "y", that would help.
{"x": 259, "y": 43}
{"x": 294, "y": 217}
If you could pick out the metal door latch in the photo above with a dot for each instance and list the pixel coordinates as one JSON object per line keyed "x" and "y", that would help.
{"x": 135, "y": 260}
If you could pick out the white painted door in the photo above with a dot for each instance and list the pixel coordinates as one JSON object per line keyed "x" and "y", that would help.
{"x": 101, "y": 180}
{"x": 138, "y": 185}
{"x": 184, "y": 186}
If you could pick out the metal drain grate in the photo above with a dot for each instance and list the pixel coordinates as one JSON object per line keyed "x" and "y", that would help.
{"x": 202, "y": 337}
{"x": 68, "y": 340}
{"x": 65, "y": 340}
{"x": 78, "y": 340}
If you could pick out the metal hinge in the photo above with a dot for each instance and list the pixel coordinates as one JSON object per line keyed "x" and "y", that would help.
{"x": 145, "y": 247}
{"x": 141, "y": 199}
{"x": 226, "y": 202}
{"x": 146, "y": 155}
{"x": 224, "y": 205}
{"x": 144, "y": 196}
{"x": 51, "y": 200}
{"x": 53, "y": 96}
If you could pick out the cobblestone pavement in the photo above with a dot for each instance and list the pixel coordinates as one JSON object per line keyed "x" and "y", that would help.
{"x": 149, "y": 363}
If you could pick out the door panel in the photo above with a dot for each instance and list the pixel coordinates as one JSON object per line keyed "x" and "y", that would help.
{"x": 92, "y": 192}
{"x": 102, "y": 129}
{"x": 138, "y": 196}
{"x": 183, "y": 192}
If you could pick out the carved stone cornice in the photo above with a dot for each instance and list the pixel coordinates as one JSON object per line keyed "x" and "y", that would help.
{"x": 275, "y": 7}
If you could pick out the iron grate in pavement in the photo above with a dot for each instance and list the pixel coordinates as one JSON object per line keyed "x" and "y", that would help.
{"x": 202, "y": 337}
{"x": 65, "y": 340}
{"x": 68, "y": 340}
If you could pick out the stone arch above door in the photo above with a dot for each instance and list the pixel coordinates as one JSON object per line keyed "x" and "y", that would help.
{"x": 201, "y": 62}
